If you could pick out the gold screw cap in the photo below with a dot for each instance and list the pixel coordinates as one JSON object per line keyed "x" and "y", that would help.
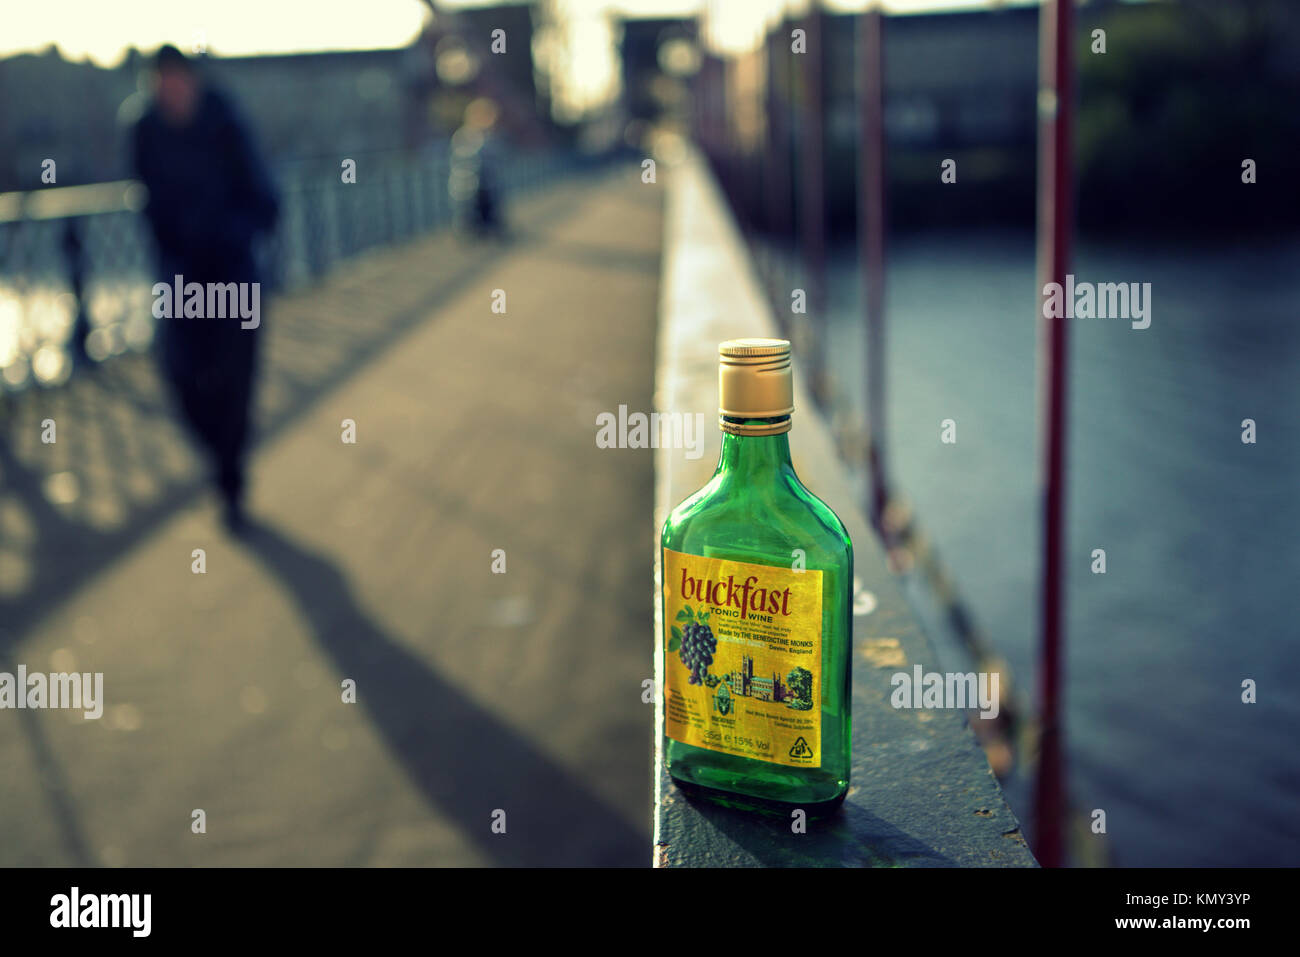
{"x": 755, "y": 380}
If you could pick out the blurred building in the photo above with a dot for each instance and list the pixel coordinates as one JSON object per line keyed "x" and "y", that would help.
{"x": 301, "y": 106}
{"x": 482, "y": 52}
{"x": 647, "y": 48}
{"x": 1220, "y": 80}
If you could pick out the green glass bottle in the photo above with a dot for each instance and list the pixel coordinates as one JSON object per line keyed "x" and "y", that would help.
{"x": 757, "y": 603}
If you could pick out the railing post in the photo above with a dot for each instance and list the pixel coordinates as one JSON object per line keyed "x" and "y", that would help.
{"x": 1055, "y": 222}
{"x": 871, "y": 245}
{"x": 813, "y": 213}
{"x": 778, "y": 165}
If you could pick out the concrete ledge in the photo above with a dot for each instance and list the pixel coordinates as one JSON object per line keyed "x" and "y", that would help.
{"x": 922, "y": 792}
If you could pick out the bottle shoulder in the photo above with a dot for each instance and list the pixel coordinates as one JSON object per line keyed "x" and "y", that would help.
{"x": 827, "y": 516}
{"x": 782, "y": 515}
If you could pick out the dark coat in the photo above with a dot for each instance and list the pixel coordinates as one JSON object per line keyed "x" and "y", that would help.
{"x": 209, "y": 192}
{"x": 209, "y": 197}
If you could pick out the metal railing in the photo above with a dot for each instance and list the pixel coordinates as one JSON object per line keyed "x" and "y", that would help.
{"x": 76, "y": 261}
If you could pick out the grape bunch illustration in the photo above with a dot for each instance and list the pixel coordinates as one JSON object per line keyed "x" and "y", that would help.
{"x": 698, "y": 646}
{"x": 694, "y": 643}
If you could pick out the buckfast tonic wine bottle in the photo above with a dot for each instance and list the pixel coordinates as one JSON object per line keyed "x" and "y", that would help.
{"x": 757, "y": 590}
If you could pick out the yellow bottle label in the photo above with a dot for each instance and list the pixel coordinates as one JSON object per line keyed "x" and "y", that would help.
{"x": 743, "y": 657}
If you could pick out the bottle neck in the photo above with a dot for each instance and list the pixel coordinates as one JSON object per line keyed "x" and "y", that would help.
{"x": 754, "y": 457}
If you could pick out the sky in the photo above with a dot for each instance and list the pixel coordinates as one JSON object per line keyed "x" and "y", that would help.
{"x": 104, "y": 30}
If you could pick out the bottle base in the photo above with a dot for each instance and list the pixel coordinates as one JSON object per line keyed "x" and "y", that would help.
{"x": 772, "y": 807}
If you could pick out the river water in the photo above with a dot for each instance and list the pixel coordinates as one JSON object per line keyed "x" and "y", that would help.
{"x": 1200, "y": 530}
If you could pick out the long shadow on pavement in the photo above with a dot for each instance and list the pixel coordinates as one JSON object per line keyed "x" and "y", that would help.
{"x": 466, "y": 762}
{"x": 59, "y": 550}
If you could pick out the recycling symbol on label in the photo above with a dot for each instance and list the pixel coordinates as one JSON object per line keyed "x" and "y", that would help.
{"x": 801, "y": 749}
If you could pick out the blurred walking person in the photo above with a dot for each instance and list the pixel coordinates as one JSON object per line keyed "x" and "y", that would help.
{"x": 476, "y": 160}
{"x": 210, "y": 196}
